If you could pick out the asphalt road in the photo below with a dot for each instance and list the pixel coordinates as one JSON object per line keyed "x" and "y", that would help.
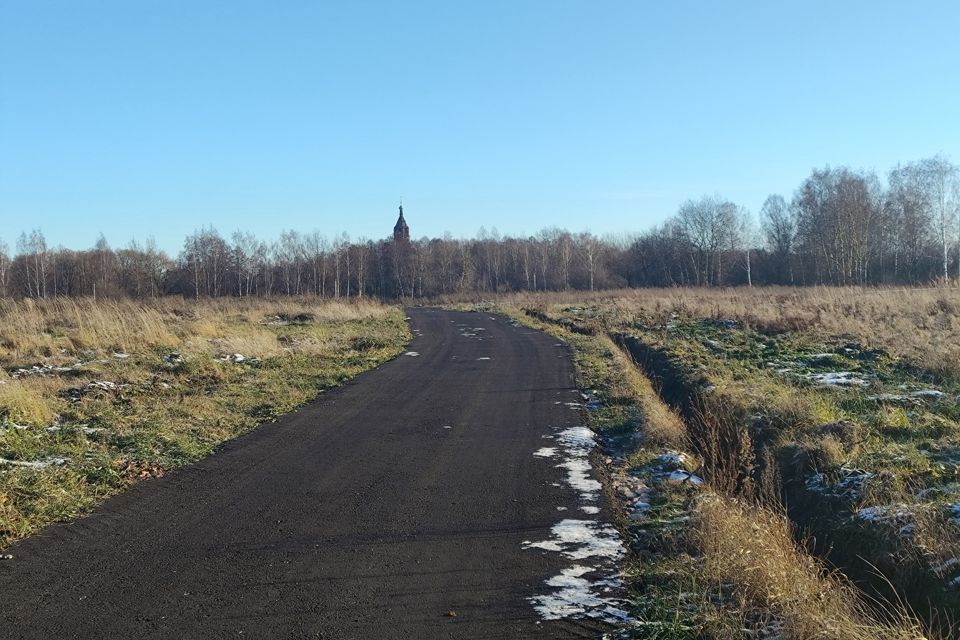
{"x": 374, "y": 512}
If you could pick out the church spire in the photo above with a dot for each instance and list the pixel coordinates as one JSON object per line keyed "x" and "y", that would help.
{"x": 401, "y": 232}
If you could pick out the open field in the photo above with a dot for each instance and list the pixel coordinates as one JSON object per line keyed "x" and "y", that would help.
{"x": 776, "y": 451}
{"x": 97, "y": 395}
{"x": 785, "y": 463}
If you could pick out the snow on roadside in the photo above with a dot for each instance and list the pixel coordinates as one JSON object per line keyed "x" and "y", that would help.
{"x": 581, "y": 539}
{"x": 577, "y": 596}
{"x": 590, "y": 588}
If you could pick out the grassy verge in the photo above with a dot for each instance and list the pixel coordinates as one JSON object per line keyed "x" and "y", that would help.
{"x": 97, "y": 395}
{"x": 721, "y": 559}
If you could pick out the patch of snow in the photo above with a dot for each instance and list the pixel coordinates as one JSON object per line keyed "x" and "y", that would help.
{"x": 484, "y": 358}
{"x": 683, "y": 476}
{"x": 561, "y": 508}
{"x": 838, "y": 379}
{"x": 545, "y": 452}
{"x": 850, "y": 485}
{"x": 888, "y": 397}
{"x": 447, "y": 426}
{"x": 51, "y": 461}
{"x": 121, "y": 356}
{"x": 898, "y": 515}
{"x": 590, "y": 510}
{"x": 577, "y": 443}
{"x": 578, "y": 597}
{"x": 102, "y": 385}
{"x": 581, "y": 539}
{"x": 37, "y": 370}
{"x": 672, "y": 459}
{"x": 578, "y": 477}
{"x": 579, "y": 439}
{"x": 412, "y": 354}
{"x": 928, "y": 393}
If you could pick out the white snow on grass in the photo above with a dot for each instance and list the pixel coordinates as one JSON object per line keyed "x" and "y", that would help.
{"x": 838, "y": 379}
{"x": 928, "y": 393}
{"x": 920, "y": 394}
{"x": 850, "y": 483}
{"x": 888, "y": 397}
{"x": 51, "y": 461}
{"x": 884, "y": 512}
{"x": 545, "y": 452}
{"x": 683, "y": 476}
{"x": 672, "y": 460}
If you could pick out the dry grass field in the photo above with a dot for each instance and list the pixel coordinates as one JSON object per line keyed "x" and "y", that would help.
{"x": 787, "y": 459}
{"x": 96, "y": 395}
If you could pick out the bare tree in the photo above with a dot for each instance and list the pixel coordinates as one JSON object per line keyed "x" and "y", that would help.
{"x": 940, "y": 181}
{"x": 779, "y": 230}
{"x": 707, "y": 225}
{"x": 4, "y": 270}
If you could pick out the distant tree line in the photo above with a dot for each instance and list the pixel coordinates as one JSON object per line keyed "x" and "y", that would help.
{"x": 841, "y": 226}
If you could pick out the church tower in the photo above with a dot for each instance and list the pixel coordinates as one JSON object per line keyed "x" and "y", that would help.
{"x": 401, "y": 232}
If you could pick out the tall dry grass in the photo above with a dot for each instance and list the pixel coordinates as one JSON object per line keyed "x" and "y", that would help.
{"x": 753, "y": 550}
{"x": 61, "y": 329}
{"x": 922, "y": 324}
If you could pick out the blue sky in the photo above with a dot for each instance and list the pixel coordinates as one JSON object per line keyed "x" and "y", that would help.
{"x": 155, "y": 117}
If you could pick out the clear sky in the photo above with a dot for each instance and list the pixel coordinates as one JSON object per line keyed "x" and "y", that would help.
{"x": 155, "y": 117}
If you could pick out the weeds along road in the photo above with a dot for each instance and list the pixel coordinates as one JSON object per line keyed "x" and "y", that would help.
{"x": 442, "y": 495}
